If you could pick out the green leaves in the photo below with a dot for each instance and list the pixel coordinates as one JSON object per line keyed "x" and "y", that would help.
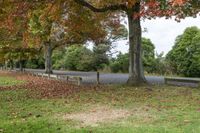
{"x": 121, "y": 63}
{"x": 185, "y": 55}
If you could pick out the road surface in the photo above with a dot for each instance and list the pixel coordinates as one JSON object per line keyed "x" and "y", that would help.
{"x": 105, "y": 78}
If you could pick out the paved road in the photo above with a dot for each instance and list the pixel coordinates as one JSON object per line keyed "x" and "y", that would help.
{"x": 105, "y": 78}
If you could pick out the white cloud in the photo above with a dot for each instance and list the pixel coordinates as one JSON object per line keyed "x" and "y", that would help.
{"x": 162, "y": 32}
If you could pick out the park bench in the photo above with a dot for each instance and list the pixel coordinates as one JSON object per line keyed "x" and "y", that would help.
{"x": 191, "y": 82}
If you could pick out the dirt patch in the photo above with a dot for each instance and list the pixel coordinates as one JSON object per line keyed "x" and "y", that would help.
{"x": 98, "y": 115}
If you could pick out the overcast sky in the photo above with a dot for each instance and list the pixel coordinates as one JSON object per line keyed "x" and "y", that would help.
{"x": 162, "y": 33}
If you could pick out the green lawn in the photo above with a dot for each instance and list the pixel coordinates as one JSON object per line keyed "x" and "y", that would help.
{"x": 8, "y": 81}
{"x": 166, "y": 109}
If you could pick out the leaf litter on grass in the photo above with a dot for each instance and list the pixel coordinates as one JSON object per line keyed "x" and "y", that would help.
{"x": 39, "y": 87}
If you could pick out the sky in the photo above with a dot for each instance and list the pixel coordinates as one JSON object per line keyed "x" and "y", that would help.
{"x": 162, "y": 33}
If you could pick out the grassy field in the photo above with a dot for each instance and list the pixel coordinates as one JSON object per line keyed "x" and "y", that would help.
{"x": 111, "y": 109}
{"x": 8, "y": 81}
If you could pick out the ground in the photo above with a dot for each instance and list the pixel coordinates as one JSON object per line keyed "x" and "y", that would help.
{"x": 35, "y": 105}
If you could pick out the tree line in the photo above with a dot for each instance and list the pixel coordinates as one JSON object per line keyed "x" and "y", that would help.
{"x": 29, "y": 27}
{"x": 182, "y": 60}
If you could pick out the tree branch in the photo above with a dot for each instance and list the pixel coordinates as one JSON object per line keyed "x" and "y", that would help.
{"x": 122, "y": 7}
{"x": 64, "y": 42}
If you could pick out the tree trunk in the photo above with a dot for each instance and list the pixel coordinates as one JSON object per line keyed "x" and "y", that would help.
{"x": 21, "y": 66}
{"x": 48, "y": 60}
{"x": 11, "y": 65}
{"x": 136, "y": 72}
{"x": 6, "y": 65}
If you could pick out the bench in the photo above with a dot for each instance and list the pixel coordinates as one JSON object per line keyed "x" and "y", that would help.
{"x": 191, "y": 82}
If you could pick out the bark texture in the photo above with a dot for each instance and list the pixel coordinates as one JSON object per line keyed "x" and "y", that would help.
{"x": 136, "y": 72}
{"x": 48, "y": 60}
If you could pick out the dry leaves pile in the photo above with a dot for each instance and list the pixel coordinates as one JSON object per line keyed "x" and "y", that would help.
{"x": 42, "y": 87}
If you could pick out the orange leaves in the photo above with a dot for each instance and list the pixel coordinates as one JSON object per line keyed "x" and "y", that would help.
{"x": 131, "y": 3}
{"x": 178, "y": 2}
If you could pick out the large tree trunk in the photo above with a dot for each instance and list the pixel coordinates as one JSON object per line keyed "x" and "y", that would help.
{"x": 48, "y": 60}
{"x": 136, "y": 72}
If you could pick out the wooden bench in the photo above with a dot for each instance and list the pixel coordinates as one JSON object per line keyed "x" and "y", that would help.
{"x": 192, "y": 82}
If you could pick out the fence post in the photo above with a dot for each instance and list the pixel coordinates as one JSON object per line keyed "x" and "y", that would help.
{"x": 67, "y": 78}
{"x": 98, "y": 77}
{"x": 79, "y": 81}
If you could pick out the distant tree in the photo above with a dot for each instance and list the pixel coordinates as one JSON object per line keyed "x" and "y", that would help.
{"x": 148, "y": 55}
{"x": 121, "y": 63}
{"x": 57, "y": 58}
{"x": 185, "y": 55}
{"x": 78, "y": 58}
{"x": 160, "y": 66}
{"x": 36, "y": 63}
{"x": 100, "y": 56}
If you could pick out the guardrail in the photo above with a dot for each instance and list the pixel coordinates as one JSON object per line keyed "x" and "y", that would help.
{"x": 192, "y": 82}
{"x": 72, "y": 79}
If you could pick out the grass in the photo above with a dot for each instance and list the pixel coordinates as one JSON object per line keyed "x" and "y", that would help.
{"x": 9, "y": 81}
{"x": 166, "y": 109}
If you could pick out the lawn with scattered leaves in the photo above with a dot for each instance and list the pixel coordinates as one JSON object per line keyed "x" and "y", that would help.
{"x": 49, "y": 106}
{"x": 9, "y": 81}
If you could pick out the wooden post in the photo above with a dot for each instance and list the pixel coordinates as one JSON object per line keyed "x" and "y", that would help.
{"x": 79, "y": 81}
{"x": 37, "y": 75}
{"x": 67, "y": 78}
{"x": 98, "y": 77}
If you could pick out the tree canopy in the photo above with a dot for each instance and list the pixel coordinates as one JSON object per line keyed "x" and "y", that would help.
{"x": 185, "y": 55}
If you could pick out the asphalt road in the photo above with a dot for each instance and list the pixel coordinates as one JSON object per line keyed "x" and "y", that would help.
{"x": 105, "y": 78}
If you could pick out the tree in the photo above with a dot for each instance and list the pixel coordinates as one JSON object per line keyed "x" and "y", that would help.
{"x": 135, "y": 9}
{"x": 78, "y": 58}
{"x": 54, "y": 23}
{"x": 136, "y": 74}
{"x": 148, "y": 55}
{"x": 185, "y": 54}
{"x": 100, "y": 56}
{"x": 121, "y": 63}
{"x": 57, "y": 58}
{"x": 67, "y": 27}
{"x": 36, "y": 62}
{"x": 13, "y": 49}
